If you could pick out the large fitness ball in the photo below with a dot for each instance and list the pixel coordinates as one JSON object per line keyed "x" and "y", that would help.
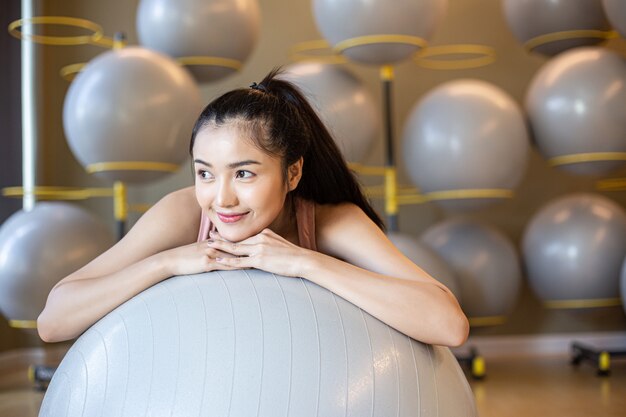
{"x": 616, "y": 12}
{"x": 623, "y": 284}
{"x": 343, "y": 102}
{"x": 427, "y": 259}
{"x": 464, "y": 135}
{"x": 40, "y": 247}
{"x": 249, "y": 343}
{"x": 529, "y": 19}
{"x": 345, "y": 20}
{"x": 574, "y": 248}
{"x": 226, "y": 29}
{"x": 486, "y": 264}
{"x": 131, "y": 105}
{"x": 576, "y": 106}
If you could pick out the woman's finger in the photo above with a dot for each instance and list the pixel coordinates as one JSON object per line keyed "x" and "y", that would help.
{"x": 237, "y": 249}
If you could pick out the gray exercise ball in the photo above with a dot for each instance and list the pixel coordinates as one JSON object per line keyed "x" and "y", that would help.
{"x": 339, "y": 21}
{"x": 343, "y": 103}
{"x": 485, "y": 262}
{"x": 574, "y": 248}
{"x": 576, "y": 105}
{"x": 427, "y": 259}
{"x": 249, "y": 343}
{"x": 215, "y": 28}
{"x": 616, "y": 12}
{"x": 131, "y": 105}
{"x": 40, "y": 247}
{"x": 528, "y": 19}
{"x": 463, "y": 135}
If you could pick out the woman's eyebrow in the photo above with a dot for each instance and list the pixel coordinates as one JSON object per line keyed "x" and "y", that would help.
{"x": 231, "y": 165}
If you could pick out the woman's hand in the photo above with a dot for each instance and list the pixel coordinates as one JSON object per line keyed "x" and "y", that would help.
{"x": 267, "y": 251}
{"x": 195, "y": 258}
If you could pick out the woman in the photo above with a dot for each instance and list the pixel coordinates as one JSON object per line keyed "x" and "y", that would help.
{"x": 273, "y": 192}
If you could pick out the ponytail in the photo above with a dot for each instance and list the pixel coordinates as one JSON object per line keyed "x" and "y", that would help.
{"x": 286, "y": 125}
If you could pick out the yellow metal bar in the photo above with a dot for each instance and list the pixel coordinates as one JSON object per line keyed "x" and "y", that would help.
{"x": 587, "y": 157}
{"x": 469, "y": 193}
{"x": 582, "y": 303}
{"x": 131, "y": 166}
{"x": 378, "y": 39}
{"x": 612, "y": 184}
{"x": 23, "y": 324}
{"x": 303, "y": 52}
{"x": 59, "y": 193}
{"x": 391, "y": 193}
{"x": 386, "y": 73}
{"x": 120, "y": 203}
{"x": 368, "y": 169}
{"x": 486, "y": 321}
{"x": 487, "y": 55}
{"x": 568, "y": 34}
{"x": 214, "y": 61}
{"x": 57, "y": 40}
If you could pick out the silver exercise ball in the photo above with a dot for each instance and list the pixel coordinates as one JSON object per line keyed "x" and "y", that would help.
{"x": 249, "y": 343}
{"x": 528, "y": 19}
{"x": 485, "y": 262}
{"x": 574, "y": 248}
{"x": 214, "y": 28}
{"x": 339, "y": 21}
{"x": 616, "y": 12}
{"x": 343, "y": 103}
{"x": 576, "y": 106}
{"x": 427, "y": 259}
{"x": 131, "y": 105}
{"x": 462, "y": 135}
{"x": 40, "y": 247}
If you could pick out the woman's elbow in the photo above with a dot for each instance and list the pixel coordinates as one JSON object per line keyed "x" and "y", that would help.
{"x": 48, "y": 329}
{"x": 459, "y": 331}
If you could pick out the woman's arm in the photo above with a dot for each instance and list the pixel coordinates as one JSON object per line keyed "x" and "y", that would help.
{"x": 358, "y": 262}
{"x": 156, "y": 248}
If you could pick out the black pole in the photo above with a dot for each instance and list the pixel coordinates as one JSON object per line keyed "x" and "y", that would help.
{"x": 387, "y": 81}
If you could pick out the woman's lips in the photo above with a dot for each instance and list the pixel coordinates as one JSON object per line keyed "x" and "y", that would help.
{"x": 230, "y": 218}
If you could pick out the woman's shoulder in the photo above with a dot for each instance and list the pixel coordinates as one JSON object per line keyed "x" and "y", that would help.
{"x": 179, "y": 209}
{"x": 331, "y": 214}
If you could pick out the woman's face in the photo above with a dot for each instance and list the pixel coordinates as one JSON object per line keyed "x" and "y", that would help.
{"x": 239, "y": 187}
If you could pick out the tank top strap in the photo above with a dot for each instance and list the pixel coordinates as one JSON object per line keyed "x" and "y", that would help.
{"x": 205, "y": 227}
{"x": 305, "y": 217}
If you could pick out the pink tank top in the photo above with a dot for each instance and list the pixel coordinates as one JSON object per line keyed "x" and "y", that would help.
{"x": 305, "y": 219}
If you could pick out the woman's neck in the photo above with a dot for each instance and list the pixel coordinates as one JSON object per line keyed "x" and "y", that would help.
{"x": 286, "y": 224}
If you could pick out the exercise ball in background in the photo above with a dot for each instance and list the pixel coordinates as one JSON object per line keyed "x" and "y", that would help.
{"x": 616, "y": 12}
{"x": 485, "y": 263}
{"x": 339, "y": 21}
{"x": 574, "y": 248}
{"x": 342, "y": 102}
{"x": 576, "y": 106}
{"x": 249, "y": 343}
{"x": 131, "y": 105}
{"x": 427, "y": 259}
{"x": 462, "y": 135}
{"x": 528, "y": 19}
{"x": 215, "y": 28}
{"x": 40, "y": 247}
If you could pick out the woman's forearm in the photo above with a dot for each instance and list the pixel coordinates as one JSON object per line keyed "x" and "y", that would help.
{"x": 421, "y": 310}
{"x": 75, "y": 305}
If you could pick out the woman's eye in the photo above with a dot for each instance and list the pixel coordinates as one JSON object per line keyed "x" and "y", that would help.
{"x": 205, "y": 175}
{"x": 244, "y": 174}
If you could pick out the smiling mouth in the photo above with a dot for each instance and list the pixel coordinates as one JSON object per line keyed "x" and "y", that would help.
{"x": 230, "y": 218}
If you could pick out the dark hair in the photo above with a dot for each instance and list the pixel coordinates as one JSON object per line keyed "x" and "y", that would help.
{"x": 281, "y": 122}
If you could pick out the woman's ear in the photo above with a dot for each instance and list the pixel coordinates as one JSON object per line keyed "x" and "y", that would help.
{"x": 294, "y": 173}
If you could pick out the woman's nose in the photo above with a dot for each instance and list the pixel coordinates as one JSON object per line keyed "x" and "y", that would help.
{"x": 226, "y": 197}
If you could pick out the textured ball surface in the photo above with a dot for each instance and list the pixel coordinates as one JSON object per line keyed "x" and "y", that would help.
{"x": 247, "y": 342}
